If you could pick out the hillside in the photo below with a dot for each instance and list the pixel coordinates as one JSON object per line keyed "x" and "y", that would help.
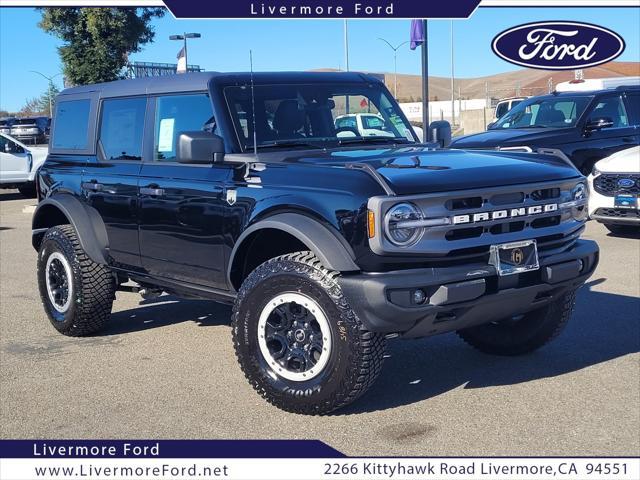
{"x": 501, "y": 85}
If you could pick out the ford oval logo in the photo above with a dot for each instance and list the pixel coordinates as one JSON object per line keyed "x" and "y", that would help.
{"x": 626, "y": 183}
{"x": 558, "y": 45}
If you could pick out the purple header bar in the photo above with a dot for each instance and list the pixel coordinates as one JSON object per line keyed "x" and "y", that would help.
{"x": 321, "y": 8}
{"x": 166, "y": 449}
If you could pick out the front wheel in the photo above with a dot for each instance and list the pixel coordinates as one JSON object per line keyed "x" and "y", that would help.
{"x": 27, "y": 190}
{"x": 76, "y": 292}
{"x": 523, "y": 333}
{"x": 297, "y": 340}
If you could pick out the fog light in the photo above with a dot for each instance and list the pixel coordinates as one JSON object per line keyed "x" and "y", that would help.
{"x": 419, "y": 297}
{"x": 580, "y": 265}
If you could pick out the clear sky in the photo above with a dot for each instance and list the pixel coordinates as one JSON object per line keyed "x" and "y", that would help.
{"x": 300, "y": 44}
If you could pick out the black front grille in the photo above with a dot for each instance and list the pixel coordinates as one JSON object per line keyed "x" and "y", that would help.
{"x": 612, "y": 184}
{"x": 618, "y": 212}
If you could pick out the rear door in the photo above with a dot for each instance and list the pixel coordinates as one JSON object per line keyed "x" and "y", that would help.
{"x": 182, "y": 207}
{"x": 110, "y": 179}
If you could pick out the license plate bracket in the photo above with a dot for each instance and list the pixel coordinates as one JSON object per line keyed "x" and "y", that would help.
{"x": 514, "y": 257}
{"x": 624, "y": 200}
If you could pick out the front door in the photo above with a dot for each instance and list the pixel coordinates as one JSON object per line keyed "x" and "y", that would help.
{"x": 14, "y": 161}
{"x": 110, "y": 180}
{"x": 182, "y": 207}
{"x": 598, "y": 144}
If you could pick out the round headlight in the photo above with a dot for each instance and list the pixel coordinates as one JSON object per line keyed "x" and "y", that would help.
{"x": 399, "y": 234}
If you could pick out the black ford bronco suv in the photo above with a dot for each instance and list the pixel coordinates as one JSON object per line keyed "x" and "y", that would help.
{"x": 240, "y": 188}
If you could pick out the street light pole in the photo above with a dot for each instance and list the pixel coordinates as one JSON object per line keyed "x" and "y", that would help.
{"x": 395, "y": 64}
{"x": 453, "y": 101}
{"x": 184, "y": 37}
{"x": 50, "y": 88}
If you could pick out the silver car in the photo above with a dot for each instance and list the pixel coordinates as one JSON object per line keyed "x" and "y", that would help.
{"x": 30, "y": 130}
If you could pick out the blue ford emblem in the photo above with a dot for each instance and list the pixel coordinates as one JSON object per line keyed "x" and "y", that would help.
{"x": 558, "y": 45}
{"x": 626, "y": 183}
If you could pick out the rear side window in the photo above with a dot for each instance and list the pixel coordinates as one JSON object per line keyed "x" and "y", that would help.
{"x": 176, "y": 114}
{"x": 122, "y": 128}
{"x": 71, "y": 125}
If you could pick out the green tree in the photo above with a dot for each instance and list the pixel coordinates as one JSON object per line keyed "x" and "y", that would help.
{"x": 98, "y": 41}
{"x": 47, "y": 100}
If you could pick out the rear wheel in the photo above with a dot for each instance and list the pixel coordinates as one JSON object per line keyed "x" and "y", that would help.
{"x": 76, "y": 292}
{"x": 523, "y": 333}
{"x": 297, "y": 340}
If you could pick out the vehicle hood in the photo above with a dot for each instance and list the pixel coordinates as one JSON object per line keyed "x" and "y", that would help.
{"x": 514, "y": 138}
{"x": 414, "y": 170}
{"x": 624, "y": 161}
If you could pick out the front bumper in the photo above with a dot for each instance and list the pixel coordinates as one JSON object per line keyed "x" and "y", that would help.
{"x": 462, "y": 296}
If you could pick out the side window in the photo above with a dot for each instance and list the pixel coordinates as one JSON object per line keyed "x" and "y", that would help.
{"x": 633, "y": 105}
{"x": 502, "y": 109}
{"x": 122, "y": 128}
{"x": 176, "y": 114}
{"x": 613, "y": 108}
{"x": 71, "y": 125}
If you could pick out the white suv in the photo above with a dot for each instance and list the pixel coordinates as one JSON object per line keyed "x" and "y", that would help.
{"x": 19, "y": 164}
{"x": 615, "y": 191}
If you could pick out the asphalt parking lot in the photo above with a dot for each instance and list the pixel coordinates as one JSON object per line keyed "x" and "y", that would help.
{"x": 166, "y": 369}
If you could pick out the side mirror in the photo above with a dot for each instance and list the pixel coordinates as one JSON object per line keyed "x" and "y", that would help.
{"x": 599, "y": 123}
{"x": 490, "y": 126}
{"x": 440, "y": 132}
{"x": 199, "y": 147}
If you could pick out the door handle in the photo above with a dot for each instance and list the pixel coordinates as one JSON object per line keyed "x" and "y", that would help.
{"x": 152, "y": 191}
{"x": 93, "y": 186}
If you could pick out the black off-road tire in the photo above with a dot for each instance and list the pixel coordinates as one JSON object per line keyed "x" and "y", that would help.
{"x": 356, "y": 354}
{"x": 27, "y": 190}
{"x": 93, "y": 285}
{"x": 623, "y": 229}
{"x": 511, "y": 337}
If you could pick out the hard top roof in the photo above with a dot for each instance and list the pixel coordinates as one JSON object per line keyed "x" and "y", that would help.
{"x": 200, "y": 81}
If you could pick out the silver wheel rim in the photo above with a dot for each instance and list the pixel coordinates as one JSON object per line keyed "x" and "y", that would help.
{"x": 59, "y": 281}
{"x": 311, "y": 343}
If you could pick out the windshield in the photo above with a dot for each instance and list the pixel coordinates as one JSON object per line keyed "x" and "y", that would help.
{"x": 560, "y": 112}
{"x": 315, "y": 115}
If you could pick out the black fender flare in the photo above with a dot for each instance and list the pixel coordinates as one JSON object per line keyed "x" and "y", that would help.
{"x": 330, "y": 247}
{"x": 88, "y": 224}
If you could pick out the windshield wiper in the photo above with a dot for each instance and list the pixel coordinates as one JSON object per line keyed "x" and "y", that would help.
{"x": 285, "y": 143}
{"x": 354, "y": 140}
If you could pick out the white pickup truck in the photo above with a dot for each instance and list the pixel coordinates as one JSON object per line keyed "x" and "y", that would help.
{"x": 19, "y": 164}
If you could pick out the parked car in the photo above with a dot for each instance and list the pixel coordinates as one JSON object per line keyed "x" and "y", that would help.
{"x": 31, "y": 130}
{"x": 615, "y": 191}
{"x": 19, "y": 164}
{"x": 362, "y": 125}
{"x": 5, "y": 125}
{"x": 325, "y": 245}
{"x": 505, "y": 105}
{"x": 583, "y": 126}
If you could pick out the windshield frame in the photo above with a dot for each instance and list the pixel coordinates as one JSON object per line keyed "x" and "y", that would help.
{"x": 322, "y": 142}
{"x": 537, "y": 100}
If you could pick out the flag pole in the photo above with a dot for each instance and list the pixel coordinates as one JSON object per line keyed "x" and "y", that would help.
{"x": 425, "y": 83}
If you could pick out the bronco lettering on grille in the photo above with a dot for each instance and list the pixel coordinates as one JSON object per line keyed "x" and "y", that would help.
{"x": 502, "y": 214}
